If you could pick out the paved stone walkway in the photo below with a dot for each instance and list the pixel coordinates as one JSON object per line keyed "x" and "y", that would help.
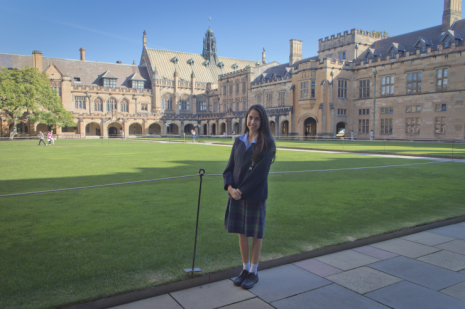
{"x": 419, "y": 271}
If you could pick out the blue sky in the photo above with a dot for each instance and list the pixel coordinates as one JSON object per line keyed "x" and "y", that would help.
{"x": 112, "y": 30}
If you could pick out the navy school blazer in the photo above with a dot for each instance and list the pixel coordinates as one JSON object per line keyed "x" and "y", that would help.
{"x": 252, "y": 183}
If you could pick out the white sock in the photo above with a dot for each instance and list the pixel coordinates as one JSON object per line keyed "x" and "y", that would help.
{"x": 253, "y": 268}
{"x": 246, "y": 266}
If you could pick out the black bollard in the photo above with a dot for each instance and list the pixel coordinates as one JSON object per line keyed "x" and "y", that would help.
{"x": 193, "y": 269}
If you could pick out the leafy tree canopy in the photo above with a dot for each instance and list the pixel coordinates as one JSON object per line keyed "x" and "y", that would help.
{"x": 26, "y": 94}
{"x": 383, "y": 33}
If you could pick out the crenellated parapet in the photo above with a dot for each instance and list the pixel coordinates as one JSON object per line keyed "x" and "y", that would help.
{"x": 111, "y": 89}
{"x": 404, "y": 58}
{"x": 354, "y": 36}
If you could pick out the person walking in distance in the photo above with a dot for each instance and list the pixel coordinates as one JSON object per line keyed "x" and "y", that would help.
{"x": 246, "y": 180}
{"x": 352, "y": 135}
{"x": 41, "y": 138}
{"x": 193, "y": 136}
{"x": 371, "y": 135}
{"x": 50, "y": 138}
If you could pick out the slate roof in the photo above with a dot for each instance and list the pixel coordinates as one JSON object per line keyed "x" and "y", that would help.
{"x": 89, "y": 72}
{"x": 161, "y": 61}
{"x": 431, "y": 36}
{"x": 282, "y": 70}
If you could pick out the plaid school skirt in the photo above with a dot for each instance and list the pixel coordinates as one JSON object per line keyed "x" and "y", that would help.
{"x": 245, "y": 217}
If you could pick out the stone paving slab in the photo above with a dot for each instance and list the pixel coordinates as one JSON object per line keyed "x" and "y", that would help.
{"x": 457, "y": 291}
{"x": 375, "y": 252}
{"x": 329, "y": 297}
{"x": 254, "y": 303}
{"x": 424, "y": 274}
{"x": 160, "y": 302}
{"x": 211, "y": 295}
{"x": 284, "y": 281}
{"x": 406, "y": 295}
{"x": 455, "y": 231}
{"x": 427, "y": 238}
{"x": 347, "y": 259}
{"x": 363, "y": 280}
{"x": 457, "y": 246}
{"x": 405, "y": 248}
{"x": 318, "y": 268}
{"x": 445, "y": 259}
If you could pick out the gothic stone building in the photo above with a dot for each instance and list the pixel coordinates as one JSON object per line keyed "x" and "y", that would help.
{"x": 417, "y": 80}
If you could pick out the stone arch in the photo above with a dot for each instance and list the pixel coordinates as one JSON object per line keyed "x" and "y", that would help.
{"x": 93, "y": 129}
{"x": 173, "y": 128}
{"x": 305, "y": 116}
{"x": 213, "y": 129}
{"x": 155, "y": 128}
{"x": 284, "y": 127}
{"x": 310, "y": 128}
{"x": 188, "y": 128}
{"x": 236, "y": 128}
{"x": 113, "y": 128}
{"x": 205, "y": 129}
{"x": 135, "y": 128}
{"x": 273, "y": 127}
{"x": 39, "y": 127}
{"x": 223, "y": 128}
{"x": 341, "y": 127}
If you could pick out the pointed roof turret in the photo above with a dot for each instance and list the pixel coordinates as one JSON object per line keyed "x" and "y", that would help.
{"x": 209, "y": 45}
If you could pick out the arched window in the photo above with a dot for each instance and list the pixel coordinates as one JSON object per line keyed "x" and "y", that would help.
{"x": 124, "y": 105}
{"x": 185, "y": 104}
{"x": 201, "y": 103}
{"x": 167, "y": 101}
{"x": 111, "y": 105}
{"x": 98, "y": 105}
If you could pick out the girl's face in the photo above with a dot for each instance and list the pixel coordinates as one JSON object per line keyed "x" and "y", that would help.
{"x": 253, "y": 121}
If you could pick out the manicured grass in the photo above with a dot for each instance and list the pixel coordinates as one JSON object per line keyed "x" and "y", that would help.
{"x": 73, "y": 246}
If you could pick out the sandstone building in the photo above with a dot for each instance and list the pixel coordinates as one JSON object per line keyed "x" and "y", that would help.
{"x": 416, "y": 79}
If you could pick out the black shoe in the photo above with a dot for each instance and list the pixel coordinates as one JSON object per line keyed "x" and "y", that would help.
{"x": 250, "y": 281}
{"x": 238, "y": 281}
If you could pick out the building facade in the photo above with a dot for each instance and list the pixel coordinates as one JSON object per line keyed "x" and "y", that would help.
{"x": 410, "y": 86}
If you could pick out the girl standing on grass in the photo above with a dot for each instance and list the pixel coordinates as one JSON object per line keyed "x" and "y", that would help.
{"x": 246, "y": 179}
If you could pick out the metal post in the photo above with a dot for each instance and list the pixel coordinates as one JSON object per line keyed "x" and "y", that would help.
{"x": 193, "y": 269}
{"x": 374, "y": 101}
{"x": 453, "y": 142}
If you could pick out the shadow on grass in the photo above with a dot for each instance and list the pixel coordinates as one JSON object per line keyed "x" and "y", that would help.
{"x": 75, "y": 246}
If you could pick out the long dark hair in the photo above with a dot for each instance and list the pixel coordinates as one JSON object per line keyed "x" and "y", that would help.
{"x": 265, "y": 141}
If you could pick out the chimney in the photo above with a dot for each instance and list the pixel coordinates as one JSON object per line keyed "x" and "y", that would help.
{"x": 119, "y": 62}
{"x": 144, "y": 39}
{"x": 452, "y": 13}
{"x": 37, "y": 60}
{"x": 296, "y": 51}
{"x": 83, "y": 53}
{"x": 263, "y": 56}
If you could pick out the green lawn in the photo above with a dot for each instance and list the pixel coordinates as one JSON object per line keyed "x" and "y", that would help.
{"x": 74, "y": 246}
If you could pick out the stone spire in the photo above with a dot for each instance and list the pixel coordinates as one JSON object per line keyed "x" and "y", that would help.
{"x": 144, "y": 39}
{"x": 209, "y": 45}
{"x": 452, "y": 12}
{"x": 263, "y": 56}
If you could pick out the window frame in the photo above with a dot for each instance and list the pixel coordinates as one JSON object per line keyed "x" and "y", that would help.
{"x": 440, "y": 79}
{"x": 364, "y": 88}
{"x": 387, "y": 83}
{"x": 342, "y": 88}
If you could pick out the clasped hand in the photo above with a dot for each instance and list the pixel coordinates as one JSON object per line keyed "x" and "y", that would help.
{"x": 235, "y": 193}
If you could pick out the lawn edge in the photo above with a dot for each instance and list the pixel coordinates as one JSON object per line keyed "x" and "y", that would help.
{"x": 130, "y": 297}
{"x": 365, "y": 152}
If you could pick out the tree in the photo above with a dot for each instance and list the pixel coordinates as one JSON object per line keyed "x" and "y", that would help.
{"x": 383, "y": 33}
{"x": 26, "y": 94}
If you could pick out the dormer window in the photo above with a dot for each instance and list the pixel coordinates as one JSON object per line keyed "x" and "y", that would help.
{"x": 446, "y": 44}
{"x": 77, "y": 79}
{"x": 109, "y": 82}
{"x": 423, "y": 49}
{"x": 137, "y": 84}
